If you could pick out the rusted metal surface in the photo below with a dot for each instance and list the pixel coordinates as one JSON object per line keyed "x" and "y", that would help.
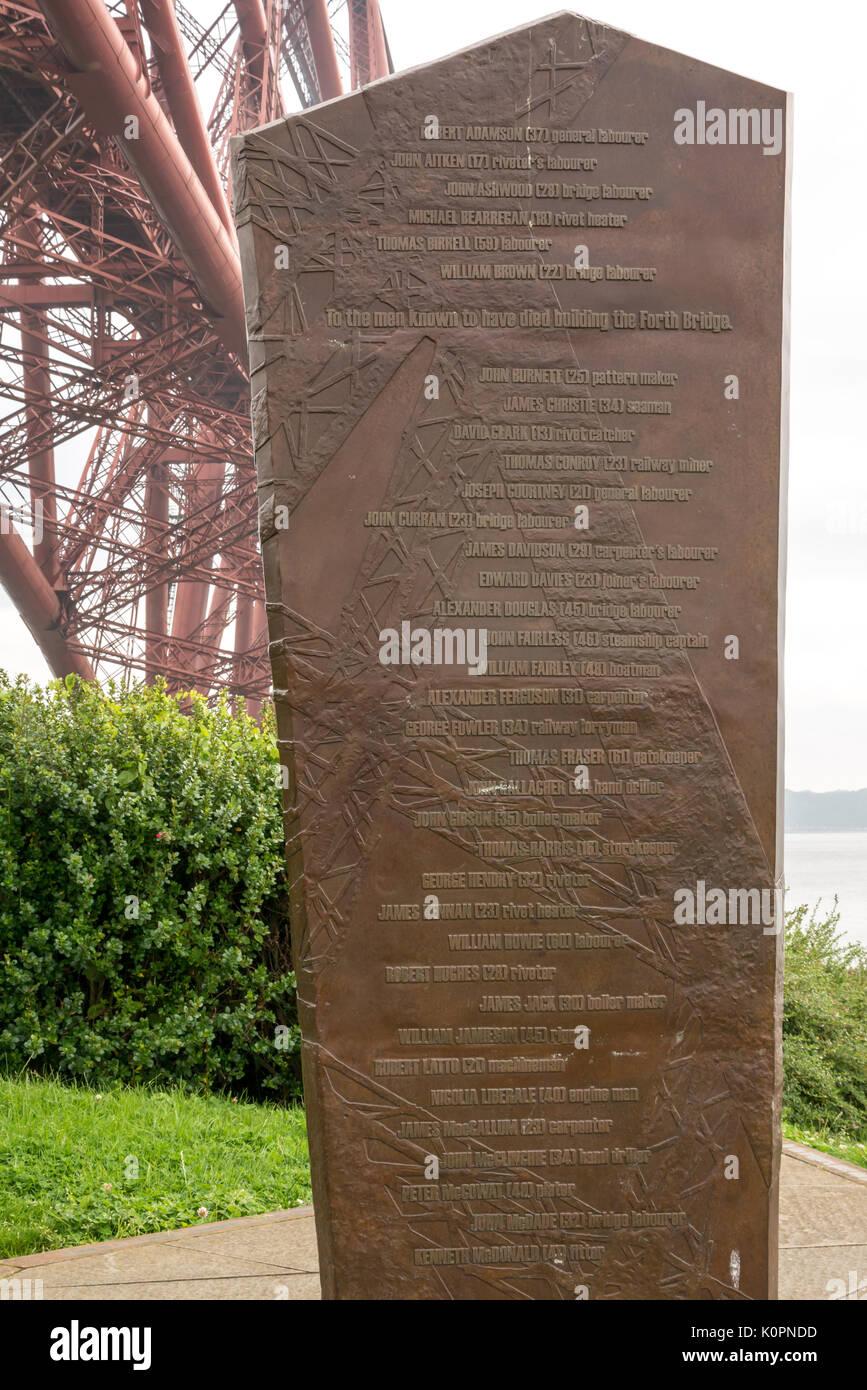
{"x": 523, "y": 555}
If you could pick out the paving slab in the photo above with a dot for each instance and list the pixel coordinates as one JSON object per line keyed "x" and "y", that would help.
{"x": 823, "y": 1250}
{"x": 260, "y": 1257}
{"x": 270, "y": 1244}
{"x": 823, "y": 1273}
{"x": 167, "y": 1259}
{"x": 823, "y": 1226}
{"x": 238, "y": 1288}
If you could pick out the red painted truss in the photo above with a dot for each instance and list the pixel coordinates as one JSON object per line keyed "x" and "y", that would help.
{"x": 127, "y": 490}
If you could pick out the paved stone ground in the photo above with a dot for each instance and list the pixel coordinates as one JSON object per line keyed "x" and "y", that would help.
{"x": 823, "y": 1225}
{"x": 823, "y": 1236}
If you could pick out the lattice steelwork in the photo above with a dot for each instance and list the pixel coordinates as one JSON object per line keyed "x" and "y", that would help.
{"x": 128, "y": 537}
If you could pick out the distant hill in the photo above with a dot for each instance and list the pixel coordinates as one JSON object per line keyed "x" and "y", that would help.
{"x": 826, "y": 810}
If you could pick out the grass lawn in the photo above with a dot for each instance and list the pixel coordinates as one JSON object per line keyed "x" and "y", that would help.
{"x": 69, "y": 1157}
{"x": 840, "y": 1145}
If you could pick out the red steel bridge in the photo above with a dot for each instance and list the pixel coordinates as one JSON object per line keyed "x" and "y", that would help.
{"x": 127, "y": 490}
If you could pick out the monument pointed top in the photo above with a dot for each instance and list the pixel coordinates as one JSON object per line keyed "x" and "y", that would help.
{"x": 517, "y": 348}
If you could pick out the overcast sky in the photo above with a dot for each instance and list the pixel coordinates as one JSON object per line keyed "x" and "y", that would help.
{"x": 818, "y": 55}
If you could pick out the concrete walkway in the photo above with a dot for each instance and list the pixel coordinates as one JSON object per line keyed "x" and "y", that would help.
{"x": 823, "y": 1237}
{"x": 823, "y": 1226}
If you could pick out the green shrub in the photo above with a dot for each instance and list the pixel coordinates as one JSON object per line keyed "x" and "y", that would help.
{"x": 143, "y": 922}
{"x": 824, "y": 1027}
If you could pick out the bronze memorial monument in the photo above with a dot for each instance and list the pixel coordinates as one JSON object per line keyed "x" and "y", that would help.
{"x": 518, "y": 342}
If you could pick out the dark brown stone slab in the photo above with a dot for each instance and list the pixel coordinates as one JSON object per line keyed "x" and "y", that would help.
{"x": 521, "y": 751}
